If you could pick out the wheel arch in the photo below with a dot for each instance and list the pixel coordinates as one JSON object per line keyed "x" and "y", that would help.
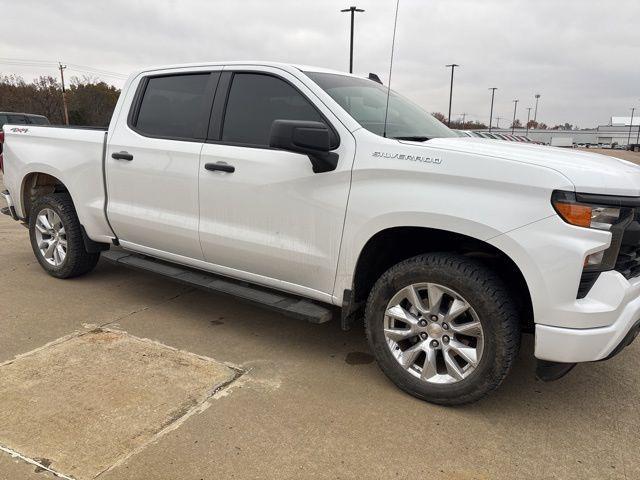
{"x": 395, "y": 244}
{"x": 37, "y": 184}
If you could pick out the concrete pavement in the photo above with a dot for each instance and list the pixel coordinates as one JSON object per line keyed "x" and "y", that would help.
{"x": 313, "y": 404}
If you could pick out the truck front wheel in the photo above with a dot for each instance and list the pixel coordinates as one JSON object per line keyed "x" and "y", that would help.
{"x": 443, "y": 328}
{"x": 56, "y": 237}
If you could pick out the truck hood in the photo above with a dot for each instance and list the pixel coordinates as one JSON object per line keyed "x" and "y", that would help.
{"x": 589, "y": 172}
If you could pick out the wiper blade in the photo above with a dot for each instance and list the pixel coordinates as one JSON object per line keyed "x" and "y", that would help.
{"x": 415, "y": 138}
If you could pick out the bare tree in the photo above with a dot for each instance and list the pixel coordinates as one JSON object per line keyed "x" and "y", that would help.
{"x": 91, "y": 101}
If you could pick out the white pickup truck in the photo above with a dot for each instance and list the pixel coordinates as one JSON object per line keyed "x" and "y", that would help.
{"x": 294, "y": 187}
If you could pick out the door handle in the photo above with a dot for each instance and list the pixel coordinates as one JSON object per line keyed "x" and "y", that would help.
{"x": 220, "y": 167}
{"x": 122, "y": 156}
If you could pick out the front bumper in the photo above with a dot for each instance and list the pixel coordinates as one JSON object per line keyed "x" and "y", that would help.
{"x": 572, "y": 345}
{"x": 10, "y": 209}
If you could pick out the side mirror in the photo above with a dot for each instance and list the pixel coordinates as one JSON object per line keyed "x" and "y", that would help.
{"x": 311, "y": 138}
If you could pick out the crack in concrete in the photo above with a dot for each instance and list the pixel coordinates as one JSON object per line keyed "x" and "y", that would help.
{"x": 216, "y": 392}
{"x": 146, "y": 307}
{"x": 178, "y": 420}
{"x": 39, "y": 466}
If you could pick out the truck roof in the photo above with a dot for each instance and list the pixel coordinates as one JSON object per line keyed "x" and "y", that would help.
{"x": 284, "y": 66}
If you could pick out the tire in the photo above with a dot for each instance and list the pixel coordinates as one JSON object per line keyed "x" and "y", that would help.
{"x": 483, "y": 352}
{"x": 77, "y": 261}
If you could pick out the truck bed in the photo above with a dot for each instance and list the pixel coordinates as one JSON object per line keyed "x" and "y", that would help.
{"x": 73, "y": 155}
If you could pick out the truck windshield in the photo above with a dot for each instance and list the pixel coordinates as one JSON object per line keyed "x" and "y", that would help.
{"x": 366, "y": 100}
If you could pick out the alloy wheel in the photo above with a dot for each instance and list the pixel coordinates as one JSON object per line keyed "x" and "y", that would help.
{"x": 433, "y": 333}
{"x": 51, "y": 237}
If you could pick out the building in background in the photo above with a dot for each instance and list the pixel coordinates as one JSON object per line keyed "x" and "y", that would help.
{"x": 616, "y": 133}
{"x": 624, "y": 121}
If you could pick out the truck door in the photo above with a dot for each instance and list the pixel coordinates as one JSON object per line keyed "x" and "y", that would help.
{"x": 152, "y": 163}
{"x": 271, "y": 220}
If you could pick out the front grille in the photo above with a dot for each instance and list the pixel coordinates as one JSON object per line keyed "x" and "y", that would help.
{"x": 628, "y": 261}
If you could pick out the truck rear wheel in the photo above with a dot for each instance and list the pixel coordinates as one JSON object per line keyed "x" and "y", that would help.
{"x": 443, "y": 328}
{"x": 56, "y": 237}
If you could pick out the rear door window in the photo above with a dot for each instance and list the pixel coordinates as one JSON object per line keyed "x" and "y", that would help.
{"x": 175, "y": 106}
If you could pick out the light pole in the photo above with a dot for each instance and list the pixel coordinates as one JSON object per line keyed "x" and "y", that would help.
{"x": 453, "y": 67}
{"x": 353, "y": 10}
{"x": 515, "y": 108}
{"x": 528, "y": 119}
{"x": 535, "y": 112}
{"x": 493, "y": 94}
{"x": 498, "y": 121}
{"x": 631, "y": 125}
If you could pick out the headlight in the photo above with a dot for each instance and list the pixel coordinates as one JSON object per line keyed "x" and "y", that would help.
{"x": 584, "y": 214}
{"x": 599, "y": 213}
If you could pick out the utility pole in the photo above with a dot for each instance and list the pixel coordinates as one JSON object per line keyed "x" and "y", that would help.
{"x": 515, "y": 108}
{"x": 64, "y": 94}
{"x": 631, "y": 125}
{"x": 464, "y": 116}
{"x": 493, "y": 94}
{"x": 535, "y": 112}
{"x": 498, "y": 121}
{"x": 453, "y": 67}
{"x": 353, "y": 11}
{"x": 528, "y": 119}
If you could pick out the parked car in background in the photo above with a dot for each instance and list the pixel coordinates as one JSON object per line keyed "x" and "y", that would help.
{"x": 468, "y": 133}
{"x": 488, "y": 135}
{"x": 22, "y": 119}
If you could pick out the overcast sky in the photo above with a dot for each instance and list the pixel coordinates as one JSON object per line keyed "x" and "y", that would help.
{"x": 580, "y": 55}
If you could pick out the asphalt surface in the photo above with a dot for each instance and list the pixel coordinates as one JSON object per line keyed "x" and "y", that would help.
{"x": 312, "y": 403}
{"x": 623, "y": 154}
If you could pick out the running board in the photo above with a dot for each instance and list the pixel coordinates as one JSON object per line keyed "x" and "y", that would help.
{"x": 288, "y": 305}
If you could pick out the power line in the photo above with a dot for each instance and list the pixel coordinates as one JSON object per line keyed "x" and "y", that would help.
{"x": 74, "y": 66}
{"x": 24, "y": 60}
{"x": 71, "y": 66}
